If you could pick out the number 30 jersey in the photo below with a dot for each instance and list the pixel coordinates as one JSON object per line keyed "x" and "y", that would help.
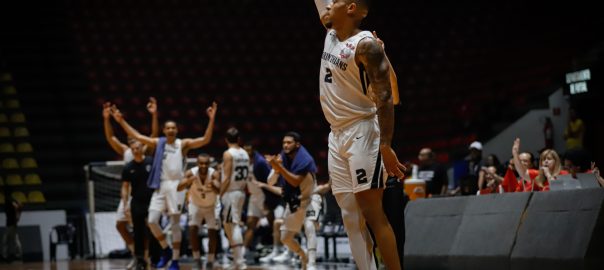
{"x": 345, "y": 90}
{"x": 239, "y": 170}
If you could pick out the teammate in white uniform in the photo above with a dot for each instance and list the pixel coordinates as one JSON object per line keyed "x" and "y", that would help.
{"x": 256, "y": 205}
{"x": 123, "y": 209}
{"x": 203, "y": 184}
{"x": 298, "y": 168}
{"x": 274, "y": 185}
{"x": 356, "y": 98}
{"x": 235, "y": 171}
{"x": 311, "y": 225}
{"x": 166, "y": 198}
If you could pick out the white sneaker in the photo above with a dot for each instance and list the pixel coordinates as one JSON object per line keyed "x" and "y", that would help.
{"x": 283, "y": 257}
{"x": 268, "y": 258}
{"x": 227, "y": 265}
{"x": 131, "y": 264}
{"x": 241, "y": 266}
{"x": 311, "y": 266}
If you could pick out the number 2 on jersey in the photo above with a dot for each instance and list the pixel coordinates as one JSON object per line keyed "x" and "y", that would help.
{"x": 241, "y": 173}
{"x": 361, "y": 176}
{"x": 328, "y": 76}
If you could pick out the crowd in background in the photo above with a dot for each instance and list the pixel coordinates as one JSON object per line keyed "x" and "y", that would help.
{"x": 522, "y": 171}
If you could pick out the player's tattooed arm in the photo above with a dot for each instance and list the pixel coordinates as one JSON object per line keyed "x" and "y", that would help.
{"x": 393, "y": 78}
{"x": 371, "y": 55}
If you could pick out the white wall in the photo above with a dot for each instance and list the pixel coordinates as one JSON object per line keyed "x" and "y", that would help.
{"x": 529, "y": 128}
{"x": 557, "y": 100}
{"x": 46, "y": 220}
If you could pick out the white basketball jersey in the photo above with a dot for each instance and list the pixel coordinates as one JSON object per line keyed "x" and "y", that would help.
{"x": 240, "y": 169}
{"x": 196, "y": 195}
{"x": 172, "y": 167}
{"x": 128, "y": 156}
{"x": 345, "y": 91}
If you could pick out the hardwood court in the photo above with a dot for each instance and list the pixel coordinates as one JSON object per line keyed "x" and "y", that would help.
{"x": 120, "y": 264}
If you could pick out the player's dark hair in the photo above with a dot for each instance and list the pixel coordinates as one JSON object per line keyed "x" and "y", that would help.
{"x": 232, "y": 135}
{"x": 295, "y": 135}
{"x": 170, "y": 121}
{"x": 365, "y": 3}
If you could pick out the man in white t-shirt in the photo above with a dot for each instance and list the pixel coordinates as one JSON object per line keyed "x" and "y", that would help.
{"x": 167, "y": 172}
{"x": 203, "y": 184}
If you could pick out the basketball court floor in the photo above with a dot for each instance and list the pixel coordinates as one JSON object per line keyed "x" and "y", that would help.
{"x": 102, "y": 264}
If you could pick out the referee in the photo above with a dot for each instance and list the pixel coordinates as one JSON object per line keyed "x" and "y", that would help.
{"x": 134, "y": 181}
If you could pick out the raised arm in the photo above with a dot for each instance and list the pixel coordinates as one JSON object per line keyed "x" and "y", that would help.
{"x": 371, "y": 55}
{"x": 189, "y": 144}
{"x": 115, "y": 144}
{"x": 521, "y": 169}
{"x": 323, "y": 11}
{"x": 227, "y": 168}
{"x": 152, "y": 108}
{"x": 119, "y": 118}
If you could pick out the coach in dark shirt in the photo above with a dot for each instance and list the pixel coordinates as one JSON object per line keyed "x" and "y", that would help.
{"x": 433, "y": 173}
{"x": 134, "y": 179}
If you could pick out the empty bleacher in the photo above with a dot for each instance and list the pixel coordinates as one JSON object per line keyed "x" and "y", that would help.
{"x": 19, "y": 166}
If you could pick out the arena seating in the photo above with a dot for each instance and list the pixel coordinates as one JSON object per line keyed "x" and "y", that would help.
{"x": 460, "y": 70}
{"x": 19, "y": 166}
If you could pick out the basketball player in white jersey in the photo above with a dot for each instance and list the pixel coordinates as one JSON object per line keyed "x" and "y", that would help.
{"x": 255, "y": 208}
{"x": 167, "y": 172}
{"x": 203, "y": 183}
{"x": 356, "y": 98}
{"x": 274, "y": 184}
{"x": 311, "y": 220}
{"x": 298, "y": 169}
{"x": 235, "y": 171}
{"x": 123, "y": 211}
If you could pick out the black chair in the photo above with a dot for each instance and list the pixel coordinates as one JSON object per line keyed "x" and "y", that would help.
{"x": 62, "y": 234}
{"x": 332, "y": 227}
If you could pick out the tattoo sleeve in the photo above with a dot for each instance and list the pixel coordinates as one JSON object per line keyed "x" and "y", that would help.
{"x": 371, "y": 55}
